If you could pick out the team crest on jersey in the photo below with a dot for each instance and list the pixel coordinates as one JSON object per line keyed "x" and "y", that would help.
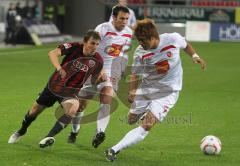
{"x": 67, "y": 45}
{"x": 169, "y": 54}
{"x": 91, "y": 63}
{"x": 78, "y": 66}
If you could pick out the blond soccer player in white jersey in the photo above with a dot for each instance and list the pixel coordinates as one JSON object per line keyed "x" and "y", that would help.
{"x": 115, "y": 41}
{"x": 157, "y": 60}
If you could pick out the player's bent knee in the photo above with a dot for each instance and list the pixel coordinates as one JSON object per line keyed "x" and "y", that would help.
{"x": 82, "y": 105}
{"x": 149, "y": 121}
{"x": 71, "y": 106}
{"x": 36, "y": 109}
{"x": 132, "y": 121}
{"x": 147, "y": 127}
{"x": 132, "y": 118}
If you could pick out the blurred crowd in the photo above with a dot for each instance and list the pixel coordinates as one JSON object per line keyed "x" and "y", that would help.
{"x": 32, "y": 12}
{"x": 15, "y": 15}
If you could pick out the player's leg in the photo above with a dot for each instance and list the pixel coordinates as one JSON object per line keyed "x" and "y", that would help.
{"x": 87, "y": 92}
{"x": 108, "y": 89}
{"x": 76, "y": 121}
{"x": 70, "y": 107}
{"x": 133, "y": 118}
{"x": 46, "y": 99}
{"x": 103, "y": 117}
{"x": 137, "y": 111}
{"x": 30, "y": 116}
{"x": 159, "y": 109}
{"x": 132, "y": 137}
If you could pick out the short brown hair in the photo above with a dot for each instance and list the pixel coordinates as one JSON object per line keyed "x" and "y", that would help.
{"x": 145, "y": 30}
{"x": 91, "y": 33}
{"x": 116, "y": 9}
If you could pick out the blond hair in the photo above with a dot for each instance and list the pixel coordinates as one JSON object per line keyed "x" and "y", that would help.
{"x": 145, "y": 30}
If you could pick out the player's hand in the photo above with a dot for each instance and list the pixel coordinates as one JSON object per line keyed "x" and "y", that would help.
{"x": 62, "y": 73}
{"x": 102, "y": 78}
{"x": 200, "y": 61}
{"x": 131, "y": 97}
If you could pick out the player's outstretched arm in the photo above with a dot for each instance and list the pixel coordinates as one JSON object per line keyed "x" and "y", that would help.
{"x": 195, "y": 57}
{"x": 54, "y": 58}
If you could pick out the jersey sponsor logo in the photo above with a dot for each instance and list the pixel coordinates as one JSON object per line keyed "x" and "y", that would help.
{"x": 67, "y": 45}
{"x": 114, "y": 50}
{"x": 78, "y": 66}
{"x": 162, "y": 67}
{"x": 91, "y": 63}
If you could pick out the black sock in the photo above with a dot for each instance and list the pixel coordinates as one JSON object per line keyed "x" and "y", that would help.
{"x": 62, "y": 122}
{"x": 26, "y": 123}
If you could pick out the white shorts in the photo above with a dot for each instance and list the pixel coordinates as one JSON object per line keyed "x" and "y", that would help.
{"x": 114, "y": 71}
{"x": 88, "y": 91}
{"x": 114, "y": 74}
{"x": 159, "y": 107}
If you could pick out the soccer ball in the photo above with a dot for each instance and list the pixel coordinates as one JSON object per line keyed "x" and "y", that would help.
{"x": 211, "y": 145}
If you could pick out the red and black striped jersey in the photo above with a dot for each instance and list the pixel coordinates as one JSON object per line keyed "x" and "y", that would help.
{"x": 78, "y": 67}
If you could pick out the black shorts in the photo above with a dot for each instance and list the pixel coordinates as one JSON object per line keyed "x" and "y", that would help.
{"x": 47, "y": 98}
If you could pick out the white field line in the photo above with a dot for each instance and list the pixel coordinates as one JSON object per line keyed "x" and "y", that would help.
{"x": 24, "y": 51}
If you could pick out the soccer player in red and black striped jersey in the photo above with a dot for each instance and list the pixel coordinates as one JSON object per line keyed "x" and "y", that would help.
{"x": 81, "y": 62}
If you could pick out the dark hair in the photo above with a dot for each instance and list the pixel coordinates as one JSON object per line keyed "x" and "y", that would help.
{"x": 116, "y": 9}
{"x": 145, "y": 30}
{"x": 91, "y": 33}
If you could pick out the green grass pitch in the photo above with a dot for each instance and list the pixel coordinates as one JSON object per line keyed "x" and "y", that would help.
{"x": 209, "y": 104}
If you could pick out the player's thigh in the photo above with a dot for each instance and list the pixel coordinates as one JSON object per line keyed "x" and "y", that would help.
{"x": 46, "y": 98}
{"x": 88, "y": 91}
{"x": 133, "y": 118}
{"x": 116, "y": 71}
{"x": 139, "y": 107}
{"x": 36, "y": 109}
{"x": 70, "y": 106}
{"x": 106, "y": 95}
{"x": 124, "y": 63}
{"x": 82, "y": 104}
{"x": 161, "y": 107}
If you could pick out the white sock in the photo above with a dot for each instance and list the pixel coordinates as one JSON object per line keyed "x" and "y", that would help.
{"x": 103, "y": 117}
{"x": 132, "y": 137}
{"x": 76, "y": 122}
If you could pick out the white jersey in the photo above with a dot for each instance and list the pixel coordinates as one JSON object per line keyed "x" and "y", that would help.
{"x": 113, "y": 43}
{"x": 132, "y": 18}
{"x": 160, "y": 68}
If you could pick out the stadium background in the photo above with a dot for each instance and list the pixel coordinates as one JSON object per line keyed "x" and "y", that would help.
{"x": 209, "y": 102}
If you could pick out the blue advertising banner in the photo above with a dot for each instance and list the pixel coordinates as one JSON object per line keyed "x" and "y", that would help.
{"x": 225, "y": 32}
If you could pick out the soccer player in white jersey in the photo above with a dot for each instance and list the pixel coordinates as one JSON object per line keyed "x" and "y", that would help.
{"x": 132, "y": 18}
{"x": 157, "y": 60}
{"x": 115, "y": 42}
